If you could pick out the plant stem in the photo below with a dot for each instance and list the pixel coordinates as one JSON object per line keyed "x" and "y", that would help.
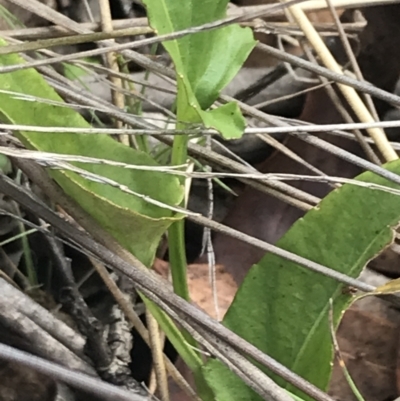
{"x": 177, "y": 258}
{"x": 176, "y": 233}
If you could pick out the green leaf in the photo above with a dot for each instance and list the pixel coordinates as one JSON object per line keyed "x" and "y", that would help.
{"x": 282, "y": 308}
{"x": 135, "y": 223}
{"x": 205, "y": 62}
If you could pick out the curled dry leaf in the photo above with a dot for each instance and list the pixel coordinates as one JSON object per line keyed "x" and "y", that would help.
{"x": 368, "y": 341}
{"x": 368, "y": 345}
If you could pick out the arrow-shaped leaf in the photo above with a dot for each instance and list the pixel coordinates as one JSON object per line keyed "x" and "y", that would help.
{"x": 205, "y": 62}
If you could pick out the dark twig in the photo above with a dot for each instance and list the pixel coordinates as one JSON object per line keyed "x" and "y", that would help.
{"x": 278, "y": 72}
{"x": 78, "y": 380}
{"x": 362, "y": 86}
{"x": 76, "y": 306}
{"x": 350, "y": 157}
{"x": 24, "y": 328}
{"x": 107, "y": 363}
{"x": 60, "y": 331}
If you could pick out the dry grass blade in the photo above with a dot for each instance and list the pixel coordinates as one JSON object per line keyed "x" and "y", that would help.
{"x": 112, "y": 64}
{"x": 350, "y": 94}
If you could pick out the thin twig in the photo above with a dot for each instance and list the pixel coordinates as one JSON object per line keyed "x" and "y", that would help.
{"x": 284, "y": 128}
{"x": 365, "y": 87}
{"x": 70, "y": 40}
